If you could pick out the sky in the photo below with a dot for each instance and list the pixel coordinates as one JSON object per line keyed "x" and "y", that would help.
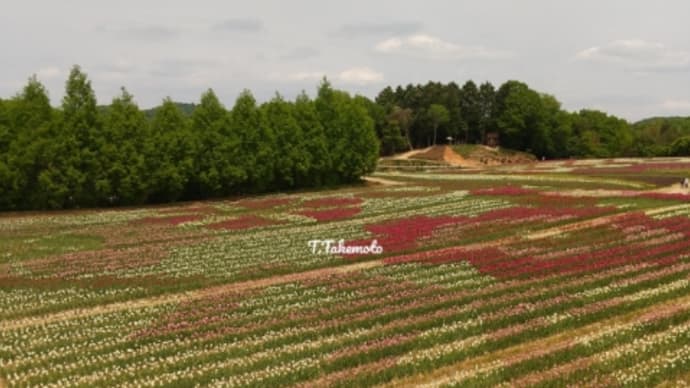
{"x": 629, "y": 58}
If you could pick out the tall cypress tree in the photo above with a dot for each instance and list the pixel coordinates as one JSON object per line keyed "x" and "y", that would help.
{"x": 257, "y": 142}
{"x": 122, "y": 178}
{"x": 315, "y": 143}
{"x": 82, "y": 127}
{"x": 35, "y": 150}
{"x": 327, "y": 106}
{"x": 210, "y": 121}
{"x": 170, "y": 154}
{"x": 487, "y": 100}
{"x": 350, "y": 135}
{"x": 291, "y": 158}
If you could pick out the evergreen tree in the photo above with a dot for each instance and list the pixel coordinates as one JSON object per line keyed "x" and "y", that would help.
{"x": 487, "y": 100}
{"x": 438, "y": 114}
{"x": 216, "y": 147}
{"x": 350, "y": 135}
{"x": 400, "y": 118}
{"x": 123, "y": 178}
{"x": 170, "y": 154}
{"x": 30, "y": 119}
{"x": 315, "y": 143}
{"x": 290, "y": 159}
{"x": 80, "y": 168}
{"x": 471, "y": 110}
{"x": 257, "y": 143}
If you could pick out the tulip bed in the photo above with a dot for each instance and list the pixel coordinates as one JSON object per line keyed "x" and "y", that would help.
{"x": 506, "y": 277}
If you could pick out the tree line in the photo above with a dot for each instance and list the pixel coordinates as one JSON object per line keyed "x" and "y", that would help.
{"x": 83, "y": 155}
{"x": 524, "y": 119}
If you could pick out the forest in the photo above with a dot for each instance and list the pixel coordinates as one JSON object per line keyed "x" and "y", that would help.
{"x": 524, "y": 119}
{"x": 82, "y": 154}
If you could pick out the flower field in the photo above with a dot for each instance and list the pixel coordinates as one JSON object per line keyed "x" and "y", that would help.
{"x": 564, "y": 273}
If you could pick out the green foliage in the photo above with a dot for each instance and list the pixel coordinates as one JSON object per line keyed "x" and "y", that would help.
{"x": 82, "y": 126}
{"x": 654, "y": 136}
{"x": 169, "y": 154}
{"x": 487, "y": 100}
{"x": 291, "y": 154}
{"x": 520, "y": 118}
{"x": 438, "y": 114}
{"x": 395, "y": 133}
{"x": 681, "y": 147}
{"x": 350, "y": 135}
{"x": 85, "y": 155}
{"x": 186, "y": 108}
{"x": 523, "y": 118}
{"x": 471, "y": 110}
{"x": 314, "y": 142}
{"x": 257, "y": 142}
{"x": 121, "y": 152}
{"x": 601, "y": 135}
{"x": 214, "y": 145}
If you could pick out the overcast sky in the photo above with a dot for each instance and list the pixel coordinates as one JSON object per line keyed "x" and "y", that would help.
{"x": 628, "y": 57}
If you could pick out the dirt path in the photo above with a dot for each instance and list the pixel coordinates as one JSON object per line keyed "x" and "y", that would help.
{"x": 382, "y": 181}
{"x": 673, "y": 189}
{"x": 445, "y": 375}
{"x": 454, "y": 159}
{"x": 558, "y": 230}
{"x": 409, "y": 154}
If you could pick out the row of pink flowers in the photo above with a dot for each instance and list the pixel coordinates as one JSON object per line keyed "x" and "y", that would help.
{"x": 499, "y": 263}
{"x": 403, "y": 234}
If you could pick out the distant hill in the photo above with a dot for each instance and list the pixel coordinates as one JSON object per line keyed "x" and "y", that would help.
{"x": 658, "y": 133}
{"x": 186, "y": 108}
{"x": 668, "y": 127}
{"x": 674, "y": 121}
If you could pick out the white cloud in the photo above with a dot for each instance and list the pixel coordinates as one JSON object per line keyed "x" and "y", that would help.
{"x": 48, "y": 72}
{"x": 676, "y": 105}
{"x": 638, "y": 55}
{"x": 389, "y": 45}
{"x": 432, "y": 47}
{"x": 360, "y": 76}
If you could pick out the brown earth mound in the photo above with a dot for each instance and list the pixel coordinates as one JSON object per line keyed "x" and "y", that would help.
{"x": 445, "y": 154}
{"x": 488, "y": 156}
